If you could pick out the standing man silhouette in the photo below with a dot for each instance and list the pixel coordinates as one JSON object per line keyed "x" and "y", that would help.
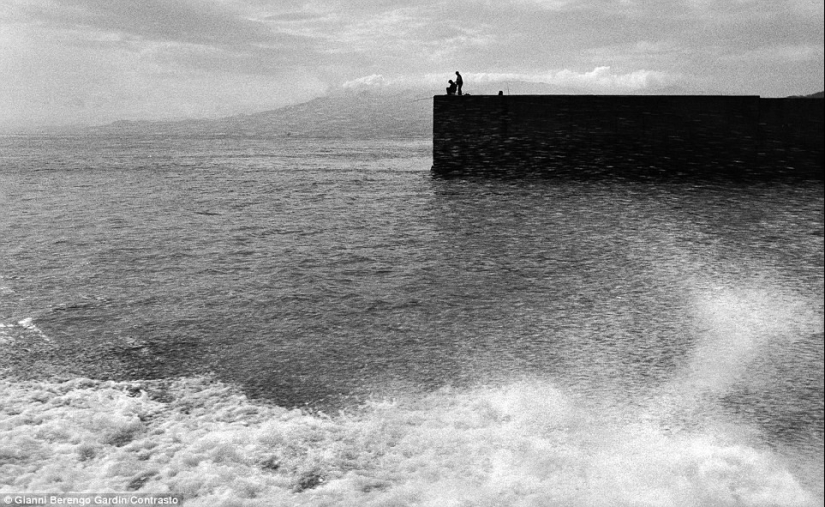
{"x": 458, "y": 82}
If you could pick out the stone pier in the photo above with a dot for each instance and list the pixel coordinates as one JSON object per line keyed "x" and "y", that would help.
{"x": 587, "y": 136}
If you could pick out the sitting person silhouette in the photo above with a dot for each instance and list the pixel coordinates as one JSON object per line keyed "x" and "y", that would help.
{"x": 451, "y": 89}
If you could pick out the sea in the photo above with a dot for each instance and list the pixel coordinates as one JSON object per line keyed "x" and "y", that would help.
{"x": 288, "y": 321}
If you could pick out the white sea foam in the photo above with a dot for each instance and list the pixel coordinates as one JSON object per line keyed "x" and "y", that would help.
{"x": 522, "y": 444}
{"x": 740, "y": 325}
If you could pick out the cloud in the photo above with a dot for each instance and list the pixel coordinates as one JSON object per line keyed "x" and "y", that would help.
{"x": 50, "y": 79}
{"x": 131, "y": 56}
{"x": 155, "y": 20}
{"x": 543, "y": 4}
{"x": 372, "y": 81}
{"x": 205, "y": 34}
{"x": 781, "y": 54}
{"x": 599, "y": 79}
{"x": 602, "y": 77}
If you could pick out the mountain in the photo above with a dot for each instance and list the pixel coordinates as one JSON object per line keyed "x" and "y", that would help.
{"x": 360, "y": 115}
{"x": 355, "y": 115}
{"x": 817, "y": 95}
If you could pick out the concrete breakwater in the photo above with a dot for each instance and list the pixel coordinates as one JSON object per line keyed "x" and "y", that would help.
{"x": 738, "y": 137}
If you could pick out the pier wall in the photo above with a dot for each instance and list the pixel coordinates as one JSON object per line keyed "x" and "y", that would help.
{"x": 635, "y": 136}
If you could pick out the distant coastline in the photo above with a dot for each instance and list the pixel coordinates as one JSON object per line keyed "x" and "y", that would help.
{"x": 817, "y": 95}
{"x": 406, "y": 114}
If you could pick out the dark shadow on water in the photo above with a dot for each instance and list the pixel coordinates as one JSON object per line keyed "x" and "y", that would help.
{"x": 712, "y": 169}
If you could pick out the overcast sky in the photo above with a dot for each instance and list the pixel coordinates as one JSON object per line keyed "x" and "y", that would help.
{"x": 95, "y": 61}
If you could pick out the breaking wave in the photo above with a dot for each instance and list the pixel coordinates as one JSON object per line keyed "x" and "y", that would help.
{"x": 527, "y": 443}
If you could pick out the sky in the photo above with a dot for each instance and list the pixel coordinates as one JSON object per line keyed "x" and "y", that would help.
{"x": 97, "y": 61}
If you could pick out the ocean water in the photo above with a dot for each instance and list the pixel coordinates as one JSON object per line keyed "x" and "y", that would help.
{"x": 321, "y": 322}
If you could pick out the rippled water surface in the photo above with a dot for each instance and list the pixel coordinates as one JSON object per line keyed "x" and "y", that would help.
{"x": 321, "y": 271}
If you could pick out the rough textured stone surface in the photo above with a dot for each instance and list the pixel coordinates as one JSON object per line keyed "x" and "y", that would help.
{"x": 586, "y": 136}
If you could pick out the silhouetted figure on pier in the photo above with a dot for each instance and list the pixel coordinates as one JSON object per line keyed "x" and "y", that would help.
{"x": 459, "y": 82}
{"x": 451, "y": 89}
